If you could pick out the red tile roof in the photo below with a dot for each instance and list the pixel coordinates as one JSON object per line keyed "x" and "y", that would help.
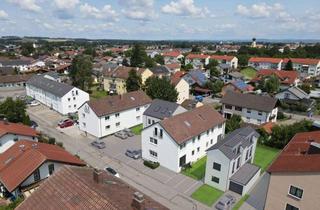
{"x": 285, "y": 77}
{"x": 295, "y": 156}
{"x": 222, "y": 57}
{"x": 177, "y": 77}
{"x": 73, "y": 188}
{"x": 16, "y": 128}
{"x": 303, "y": 61}
{"x": 173, "y": 66}
{"x": 19, "y": 162}
{"x": 197, "y": 56}
{"x": 175, "y": 53}
{"x": 265, "y": 60}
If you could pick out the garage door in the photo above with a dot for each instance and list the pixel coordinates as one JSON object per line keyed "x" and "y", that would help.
{"x": 236, "y": 187}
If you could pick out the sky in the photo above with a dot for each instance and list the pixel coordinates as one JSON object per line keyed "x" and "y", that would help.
{"x": 162, "y": 19}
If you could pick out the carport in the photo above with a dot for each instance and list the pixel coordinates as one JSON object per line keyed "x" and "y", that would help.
{"x": 242, "y": 181}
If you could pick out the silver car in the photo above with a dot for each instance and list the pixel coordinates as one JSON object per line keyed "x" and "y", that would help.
{"x": 128, "y": 132}
{"x": 135, "y": 154}
{"x": 121, "y": 134}
{"x": 225, "y": 202}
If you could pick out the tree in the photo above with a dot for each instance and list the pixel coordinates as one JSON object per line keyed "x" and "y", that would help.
{"x": 243, "y": 60}
{"x": 133, "y": 82}
{"x": 195, "y": 49}
{"x": 107, "y": 53}
{"x": 212, "y": 66}
{"x": 81, "y": 72}
{"x": 90, "y": 51}
{"x": 188, "y": 67}
{"x": 125, "y": 62}
{"x": 138, "y": 55}
{"x": 161, "y": 88}
{"x": 14, "y": 111}
{"x": 27, "y": 49}
{"x": 216, "y": 86}
{"x": 149, "y": 62}
{"x": 271, "y": 84}
{"x": 288, "y": 66}
{"x": 159, "y": 59}
{"x": 233, "y": 123}
{"x": 306, "y": 87}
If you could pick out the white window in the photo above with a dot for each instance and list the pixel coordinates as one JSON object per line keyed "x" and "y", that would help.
{"x": 117, "y": 115}
{"x": 296, "y": 192}
{"x": 106, "y": 117}
{"x": 118, "y": 124}
{"x": 153, "y": 140}
{"x": 153, "y": 153}
{"x": 260, "y": 113}
{"x": 107, "y": 127}
{"x": 138, "y": 109}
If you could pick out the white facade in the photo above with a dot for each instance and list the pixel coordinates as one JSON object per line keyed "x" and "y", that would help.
{"x": 111, "y": 123}
{"x": 166, "y": 151}
{"x": 197, "y": 62}
{"x": 69, "y": 103}
{"x": 265, "y": 65}
{"x": 183, "y": 89}
{"x": 7, "y": 140}
{"x": 250, "y": 115}
{"x": 172, "y": 59}
{"x": 309, "y": 70}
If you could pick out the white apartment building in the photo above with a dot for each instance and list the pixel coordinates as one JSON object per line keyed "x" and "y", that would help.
{"x": 253, "y": 109}
{"x": 231, "y": 61}
{"x": 265, "y": 63}
{"x": 106, "y": 116}
{"x": 182, "y": 139}
{"x": 60, "y": 97}
{"x": 229, "y": 162}
{"x": 307, "y": 66}
{"x": 197, "y": 60}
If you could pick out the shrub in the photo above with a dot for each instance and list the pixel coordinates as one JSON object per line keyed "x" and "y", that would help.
{"x": 151, "y": 164}
{"x": 52, "y": 140}
{"x": 60, "y": 144}
{"x": 281, "y": 116}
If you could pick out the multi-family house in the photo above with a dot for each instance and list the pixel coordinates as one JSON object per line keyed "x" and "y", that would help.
{"x": 265, "y": 63}
{"x": 106, "y": 116}
{"x": 237, "y": 86}
{"x": 254, "y": 109}
{"x": 181, "y": 86}
{"x": 60, "y": 97}
{"x": 26, "y": 163}
{"x": 197, "y": 60}
{"x": 13, "y": 132}
{"x": 14, "y": 81}
{"x": 229, "y": 162}
{"x": 231, "y": 61}
{"x": 172, "y": 57}
{"x": 159, "y": 110}
{"x": 161, "y": 71}
{"x": 182, "y": 139}
{"x": 307, "y": 66}
{"x": 294, "y": 175}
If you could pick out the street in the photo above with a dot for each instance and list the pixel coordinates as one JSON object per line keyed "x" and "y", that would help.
{"x": 171, "y": 189}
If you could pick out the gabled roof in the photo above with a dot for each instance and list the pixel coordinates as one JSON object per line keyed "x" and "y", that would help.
{"x": 297, "y": 92}
{"x": 222, "y": 57}
{"x": 241, "y": 85}
{"x": 184, "y": 126}
{"x": 299, "y": 155}
{"x": 15, "y": 78}
{"x": 121, "y": 72}
{"x": 175, "y": 78}
{"x": 265, "y": 60}
{"x": 55, "y": 88}
{"x": 285, "y": 77}
{"x": 228, "y": 145}
{"x": 24, "y": 157}
{"x": 174, "y": 53}
{"x": 74, "y": 188}
{"x": 161, "y": 109}
{"x": 197, "y": 56}
{"x": 303, "y": 61}
{"x": 160, "y": 70}
{"x": 117, "y": 103}
{"x": 196, "y": 76}
{"x": 16, "y": 128}
{"x": 173, "y": 66}
{"x": 256, "y": 102}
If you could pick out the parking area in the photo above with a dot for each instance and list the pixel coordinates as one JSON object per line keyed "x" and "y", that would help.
{"x": 51, "y": 117}
{"x": 13, "y": 93}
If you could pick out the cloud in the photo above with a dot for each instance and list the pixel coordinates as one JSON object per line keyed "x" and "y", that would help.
{"x": 261, "y": 10}
{"x": 138, "y": 9}
{"x": 105, "y": 13}
{"x": 66, "y": 4}
{"x": 185, "y": 8}
{"x": 3, "y": 15}
{"x": 29, "y": 5}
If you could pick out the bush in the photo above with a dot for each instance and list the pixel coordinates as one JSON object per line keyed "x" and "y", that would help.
{"x": 281, "y": 116}
{"x": 52, "y": 140}
{"x": 151, "y": 164}
{"x": 60, "y": 144}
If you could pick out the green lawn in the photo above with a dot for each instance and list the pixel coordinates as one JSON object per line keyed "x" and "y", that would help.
{"x": 240, "y": 202}
{"x": 264, "y": 156}
{"x": 197, "y": 169}
{"x": 249, "y": 73}
{"x": 97, "y": 94}
{"x": 207, "y": 195}
{"x": 137, "y": 129}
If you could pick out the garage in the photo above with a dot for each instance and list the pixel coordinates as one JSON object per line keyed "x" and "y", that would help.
{"x": 237, "y": 188}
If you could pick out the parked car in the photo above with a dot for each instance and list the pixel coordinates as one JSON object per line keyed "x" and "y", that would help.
{"x": 98, "y": 144}
{"x": 199, "y": 98}
{"x": 34, "y": 103}
{"x": 33, "y": 124}
{"x": 112, "y": 171}
{"x": 121, "y": 134}
{"x": 128, "y": 132}
{"x": 135, "y": 154}
{"x": 225, "y": 202}
{"x": 65, "y": 123}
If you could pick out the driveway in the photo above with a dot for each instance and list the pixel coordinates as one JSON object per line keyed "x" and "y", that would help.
{"x": 169, "y": 188}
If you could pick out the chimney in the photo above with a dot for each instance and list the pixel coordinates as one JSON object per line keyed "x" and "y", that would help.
{"x": 97, "y": 176}
{"x": 138, "y": 201}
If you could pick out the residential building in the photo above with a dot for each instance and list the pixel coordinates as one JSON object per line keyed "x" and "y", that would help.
{"x": 114, "y": 80}
{"x": 197, "y": 60}
{"x": 181, "y": 85}
{"x": 85, "y": 188}
{"x": 182, "y": 139}
{"x": 237, "y": 86}
{"x": 231, "y": 61}
{"x": 106, "y": 116}
{"x": 306, "y": 66}
{"x": 232, "y": 76}
{"x": 60, "y": 97}
{"x": 197, "y": 81}
{"x": 25, "y": 164}
{"x": 174, "y": 67}
{"x": 161, "y": 71}
{"x": 286, "y": 78}
{"x": 10, "y": 133}
{"x": 265, "y": 63}
{"x": 229, "y": 162}
{"x": 173, "y": 56}
{"x": 253, "y": 109}
{"x": 22, "y": 64}
{"x": 190, "y": 104}
{"x": 159, "y": 110}
{"x": 14, "y": 81}
{"x": 294, "y": 174}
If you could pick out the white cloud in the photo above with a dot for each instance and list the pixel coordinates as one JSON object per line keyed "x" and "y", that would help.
{"x": 3, "y": 15}
{"x": 29, "y": 5}
{"x": 138, "y": 9}
{"x": 185, "y": 8}
{"x": 261, "y": 10}
{"x": 66, "y": 4}
{"x": 105, "y": 13}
